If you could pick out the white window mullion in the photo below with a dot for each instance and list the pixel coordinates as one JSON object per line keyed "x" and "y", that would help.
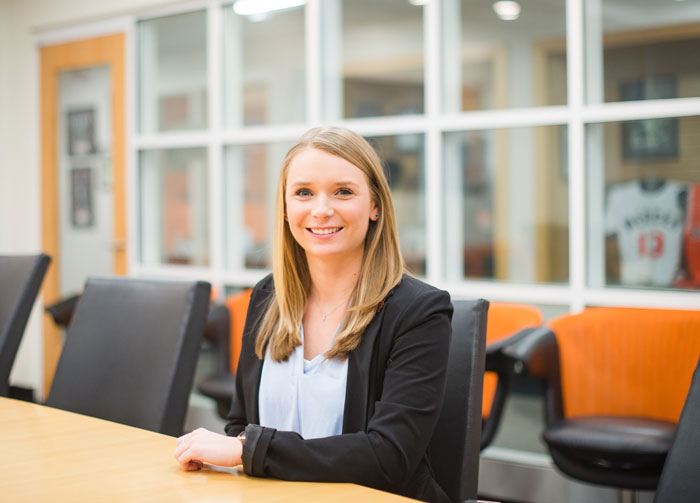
{"x": 131, "y": 168}
{"x": 576, "y": 138}
{"x": 215, "y": 164}
{"x": 433, "y": 143}
{"x": 312, "y": 30}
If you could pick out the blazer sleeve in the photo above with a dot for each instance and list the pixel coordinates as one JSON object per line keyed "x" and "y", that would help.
{"x": 398, "y": 432}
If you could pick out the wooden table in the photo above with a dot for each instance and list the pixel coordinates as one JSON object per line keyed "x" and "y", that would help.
{"x": 51, "y": 455}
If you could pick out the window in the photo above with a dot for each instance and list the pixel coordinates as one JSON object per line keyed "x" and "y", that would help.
{"x": 372, "y": 58}
{"x": 262, "y": 83}
{"x": 511, "y": 146}
{"x": 172, "y": 73}
{"x": 506, "y": 205}
{"x": 174, "y": 220}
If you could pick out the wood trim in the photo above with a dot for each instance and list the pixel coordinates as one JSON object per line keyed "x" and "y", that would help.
{"x": 108, "y": 50}
{"x": 632, "y": 37}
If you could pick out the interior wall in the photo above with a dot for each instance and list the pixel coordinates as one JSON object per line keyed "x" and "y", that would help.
{"x": 4, "y": 123}
{"x": 21, "y": 23}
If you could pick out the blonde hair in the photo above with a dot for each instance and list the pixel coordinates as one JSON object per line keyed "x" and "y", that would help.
{"x": 382, "y": 265}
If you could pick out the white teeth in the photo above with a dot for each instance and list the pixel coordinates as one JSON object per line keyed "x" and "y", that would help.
{"x": 325, "y": 231}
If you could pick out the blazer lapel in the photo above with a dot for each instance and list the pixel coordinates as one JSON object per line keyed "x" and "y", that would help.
{"x": 362, "y": 375}
{"x": 254, "y": 365}
{"x": 253, "y": 388}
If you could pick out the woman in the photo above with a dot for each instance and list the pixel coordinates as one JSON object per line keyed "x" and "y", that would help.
{"x": 343, "y": 365}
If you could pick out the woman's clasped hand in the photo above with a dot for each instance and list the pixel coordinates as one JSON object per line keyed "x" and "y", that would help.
{"x": 203, "y": 446}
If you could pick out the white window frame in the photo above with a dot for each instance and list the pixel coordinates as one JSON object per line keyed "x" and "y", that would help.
{"x": 575, "y": 115}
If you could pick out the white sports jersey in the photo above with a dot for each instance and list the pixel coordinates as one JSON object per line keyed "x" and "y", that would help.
{"x": 649, "y": 228}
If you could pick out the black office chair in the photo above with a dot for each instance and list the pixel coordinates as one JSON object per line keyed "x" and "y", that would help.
{"x": 679, "y": 482}
{"x": 454, "y": 448}
{"x": 20, "y": 280}
{"x": 131, "y": 350}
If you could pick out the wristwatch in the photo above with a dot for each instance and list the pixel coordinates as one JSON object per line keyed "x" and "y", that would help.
{"x": 241, "y": 437}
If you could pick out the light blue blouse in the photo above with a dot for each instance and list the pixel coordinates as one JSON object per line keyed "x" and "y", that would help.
{"x": 306, "y": 396}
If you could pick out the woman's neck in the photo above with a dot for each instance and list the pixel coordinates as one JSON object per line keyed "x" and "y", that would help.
{"x": 333, "y": 280}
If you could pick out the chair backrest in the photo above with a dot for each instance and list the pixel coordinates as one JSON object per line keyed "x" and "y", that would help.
{"x": 679, "y": 482}
{"x": 454, "y": 447}
{"x": 505, "y": 319}
{"x": 627, "y": 362}
{"x": 131, "y": 351}
{"x": 20, "y": 280}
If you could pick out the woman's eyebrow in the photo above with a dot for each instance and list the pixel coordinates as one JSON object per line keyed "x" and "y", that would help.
{"x": 340, "y": 183}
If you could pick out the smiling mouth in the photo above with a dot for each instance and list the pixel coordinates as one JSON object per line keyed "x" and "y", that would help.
{"x": 324, "y": 231}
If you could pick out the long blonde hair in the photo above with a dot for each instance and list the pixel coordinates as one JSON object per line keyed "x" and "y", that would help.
{"x": 382, "y": 265}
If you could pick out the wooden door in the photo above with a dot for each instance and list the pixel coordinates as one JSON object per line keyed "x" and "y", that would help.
{"x": 107, "y": 51}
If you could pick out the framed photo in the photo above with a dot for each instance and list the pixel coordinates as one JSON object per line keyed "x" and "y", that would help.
{"x": 82, "y": 200}
{"x": 649, "y": 138}
{"x": 81, "y": 132}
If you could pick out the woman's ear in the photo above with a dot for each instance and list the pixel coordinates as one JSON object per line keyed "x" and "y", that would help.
{"x": 374, "y": 213}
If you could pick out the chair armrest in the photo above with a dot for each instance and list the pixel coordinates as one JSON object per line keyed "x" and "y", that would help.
{"x": 535, "y": 353}
{"x": 497, "y": 360}
{"x": 62, "y": 311}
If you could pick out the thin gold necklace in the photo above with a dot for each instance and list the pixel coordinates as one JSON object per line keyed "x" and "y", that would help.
{"x": 325, "y": 315}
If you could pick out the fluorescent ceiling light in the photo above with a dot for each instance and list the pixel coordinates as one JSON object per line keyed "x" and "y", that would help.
{"x": 507, "y": 10}
{"x": 257, "y": 7}
{"x": 418, "y": 2}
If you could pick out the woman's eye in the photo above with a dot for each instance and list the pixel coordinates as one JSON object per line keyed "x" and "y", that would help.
{"x": 303, "y": 192}
{"x": 344, "y": 192}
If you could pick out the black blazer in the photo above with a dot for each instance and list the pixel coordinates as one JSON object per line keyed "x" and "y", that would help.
{"x": 395, "y": 388}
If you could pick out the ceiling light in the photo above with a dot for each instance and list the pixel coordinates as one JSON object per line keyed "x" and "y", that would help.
{"x": 418, "y": 2}
{"x": 507, "y": 10}
{"x": 258, "y": 7}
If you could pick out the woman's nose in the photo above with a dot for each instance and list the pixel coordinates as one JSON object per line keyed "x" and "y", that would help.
{"x": 322, "y": 209}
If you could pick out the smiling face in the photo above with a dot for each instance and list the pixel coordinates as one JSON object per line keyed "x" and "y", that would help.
{"x": 328, "y": 205}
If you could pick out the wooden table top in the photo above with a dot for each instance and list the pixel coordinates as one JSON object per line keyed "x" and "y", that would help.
{"x": 48, "y": 454}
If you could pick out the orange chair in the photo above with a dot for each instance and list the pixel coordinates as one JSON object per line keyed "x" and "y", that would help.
{"x": 506, "y": 323}
{"x": 616, "y": 380}
{"x": 225, "y": 330}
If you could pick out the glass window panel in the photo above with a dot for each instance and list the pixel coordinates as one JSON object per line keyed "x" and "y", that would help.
{"x": 642, "y": 49}
{"x": 173, "y": 203}
{"x": 491, "y": 60}
{"x": 372, "y": 58}
{"x": 172, "y": 54}
{"x": 643, "y": 200}
{"x": 263, "y": 84}
{"x": 250, "y": 175}
{"x": 506, "y": 205}
{"x": 404, "y": 164}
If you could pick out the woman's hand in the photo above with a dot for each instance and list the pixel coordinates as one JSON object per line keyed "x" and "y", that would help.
{"x": 203, "y": 446}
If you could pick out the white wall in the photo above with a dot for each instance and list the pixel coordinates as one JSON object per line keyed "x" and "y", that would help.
{"x": 21, "y": 23}
{"x": 4, "y": 123}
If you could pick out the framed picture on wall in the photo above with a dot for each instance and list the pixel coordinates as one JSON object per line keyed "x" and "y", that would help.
{"x": 81, "y": 131}
{"x": 82, "y": 200}
{"x": 649, "y": 138}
